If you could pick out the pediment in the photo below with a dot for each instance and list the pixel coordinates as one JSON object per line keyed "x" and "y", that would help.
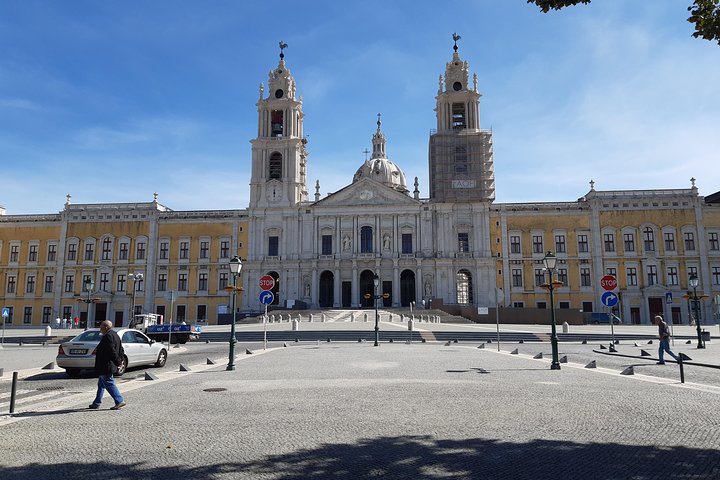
{"x": 366, "y": 192}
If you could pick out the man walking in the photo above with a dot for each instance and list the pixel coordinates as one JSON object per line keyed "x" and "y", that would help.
{"x": 664, "y": 335}
{"x": 107, "y": 358}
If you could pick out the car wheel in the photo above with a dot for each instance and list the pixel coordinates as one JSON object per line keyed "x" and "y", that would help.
{"x": 162, "y": 358}
{"x": 122, "y": 367}
{"x": 72, "y": 372}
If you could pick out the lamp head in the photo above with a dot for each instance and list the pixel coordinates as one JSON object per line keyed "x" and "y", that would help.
{"x": 376, "y": 280}
{"x": 550, "y": 260}
{"x": 693, "y": 280}
{"x": 89, "y": 285}
{"x": 235, "y": 265}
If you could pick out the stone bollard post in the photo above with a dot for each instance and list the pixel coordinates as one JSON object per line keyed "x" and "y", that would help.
{"x": 366, "y": 317}
{"x": 323, "y": 319}
{"x": 310, "y": 318}
{"x": 566, "y": 327}
{"x": 295, "y": 325}
{"x": 48, "y": 331}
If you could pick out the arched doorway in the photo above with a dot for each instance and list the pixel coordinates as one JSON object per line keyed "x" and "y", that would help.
{"x": 367, "y": 287}
{"x": 327, "y": 289}
{"x": 276, "y": 289}
{"x": 407, "y": 288}
{"x": 464, "y": 287}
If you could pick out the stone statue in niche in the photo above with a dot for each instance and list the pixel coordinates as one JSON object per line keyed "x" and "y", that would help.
{"x": 346, "y": 243}
{"x": 428, "y": 288}
{"x": 386, "y": 242}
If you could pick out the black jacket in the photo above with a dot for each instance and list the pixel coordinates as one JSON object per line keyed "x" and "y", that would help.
{"x": 108, "y": 354}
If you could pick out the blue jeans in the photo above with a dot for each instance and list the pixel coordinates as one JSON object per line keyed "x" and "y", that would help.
{"x": 107, "y": 382}
{"x": 665, "y": 347}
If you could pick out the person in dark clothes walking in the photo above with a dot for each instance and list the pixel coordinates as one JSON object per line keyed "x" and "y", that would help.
{"x": 108, "y": 355}
{"x": 664, "y": 335}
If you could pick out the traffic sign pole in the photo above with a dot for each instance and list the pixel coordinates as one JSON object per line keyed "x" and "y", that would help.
{"x": 5, "y": 315}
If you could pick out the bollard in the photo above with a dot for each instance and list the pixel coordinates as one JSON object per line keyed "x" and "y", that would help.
{"x": 12, "y": 392}
{"x": 48, "y": 331}
{"x": 566, "y": 327}
{"x": 295, "y": 325}
{"x": 682, "y": 370}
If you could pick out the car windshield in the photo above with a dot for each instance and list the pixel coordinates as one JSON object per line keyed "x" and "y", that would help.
{"x": 89, "y": 336}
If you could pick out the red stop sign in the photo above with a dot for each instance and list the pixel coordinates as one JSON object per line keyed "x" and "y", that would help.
{"x": 608, "y": 282}
{"x": 267, "y": 282}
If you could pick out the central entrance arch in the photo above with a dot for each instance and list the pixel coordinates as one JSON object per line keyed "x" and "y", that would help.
{"x": 407, "y": 288}
{"x": 367, "y": 287}
{"x": 327, "y": 289}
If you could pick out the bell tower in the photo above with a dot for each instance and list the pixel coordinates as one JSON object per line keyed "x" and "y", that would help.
{"x": 460, "y": 153}
{"x": 279, "y": 156}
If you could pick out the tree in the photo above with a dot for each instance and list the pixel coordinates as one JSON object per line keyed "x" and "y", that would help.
{"x": 704, "y": 14}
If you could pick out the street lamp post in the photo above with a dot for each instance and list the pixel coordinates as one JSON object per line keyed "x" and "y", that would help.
{"x": 376, "y": 283}
{"x": 235, "y": 267}
{"x": 135, "y": 277}
{"x": 88, "y": 285}
{"x": 696, "y": 309}
{"x": 550, "y": 260}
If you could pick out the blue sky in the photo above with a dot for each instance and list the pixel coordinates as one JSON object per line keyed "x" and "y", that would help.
{"x": 113, "y": 100}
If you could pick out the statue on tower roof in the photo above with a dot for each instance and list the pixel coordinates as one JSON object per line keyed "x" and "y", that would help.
{"x": 456, "y": 37}
{"x": 283, "y": 46}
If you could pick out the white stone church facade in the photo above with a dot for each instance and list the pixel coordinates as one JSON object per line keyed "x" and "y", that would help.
{"x": 325, "y": 252}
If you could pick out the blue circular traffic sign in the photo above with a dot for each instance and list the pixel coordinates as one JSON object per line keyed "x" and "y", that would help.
{"x": 266, "y": 297}
{"x": 609, "y": 299}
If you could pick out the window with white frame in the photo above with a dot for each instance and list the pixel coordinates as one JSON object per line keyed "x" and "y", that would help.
{"x": 517, "y": 277}
{"x": 652, "y": 275}
{"x": 49, "y": 283}
{"x": 585, "y": 278}
{"x": 203, "y": 282}
{"x": 52, "y": 252}
{"x": 11, "y": 284}
{"x": 629, "y": 242}
{"x": 123, "y": 252}
{"x": 14, "y": 253}
{"x": 30, "y": 284}
{"x": 539, "y": 276}
{"x": 562, "y": 276}
{"x": 715, "y": 274}
{"x": 689, "y": 238}
{"x": 162, "y": 282}
{"x": 33, "y": 253}
{"x": 583, "y": 246}
{"x": 649, "y": 239}
{"x": 182, "y": 282}
{"x": 164, "y": 252}
{"x": 184, "y": 250}
{"x": 225, "y": 249}
{"x": 672, "y": 275}
{"x": 538, "y": 244}
{"x": 140, "y": 251}
{"x": 514, "y": 244}
{"x": 205, "y": 249}
{"x": 713, "y": 241}
{"x": 669, "y": 241}
{"x": 107, "y": 249}
{"x": 559, "y": 243}
{"x": 89, "y": 251}
{"x": 609, "y": 241}
{"x": 69, "y": 283}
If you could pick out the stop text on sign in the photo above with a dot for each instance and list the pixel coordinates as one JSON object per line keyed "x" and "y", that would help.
{"x": 608, "y": 282}
{"x": 267, "y": 282}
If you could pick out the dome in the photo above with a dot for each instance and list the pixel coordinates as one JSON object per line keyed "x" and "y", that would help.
{"x": 379, "y": 168}
{"x": 383, "y": 171}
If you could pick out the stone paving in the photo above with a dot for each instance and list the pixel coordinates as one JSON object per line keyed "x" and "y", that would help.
{"x": 394, "y": 411}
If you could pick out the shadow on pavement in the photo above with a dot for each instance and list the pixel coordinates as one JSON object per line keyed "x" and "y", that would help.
{"x": 421, "y": 458}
